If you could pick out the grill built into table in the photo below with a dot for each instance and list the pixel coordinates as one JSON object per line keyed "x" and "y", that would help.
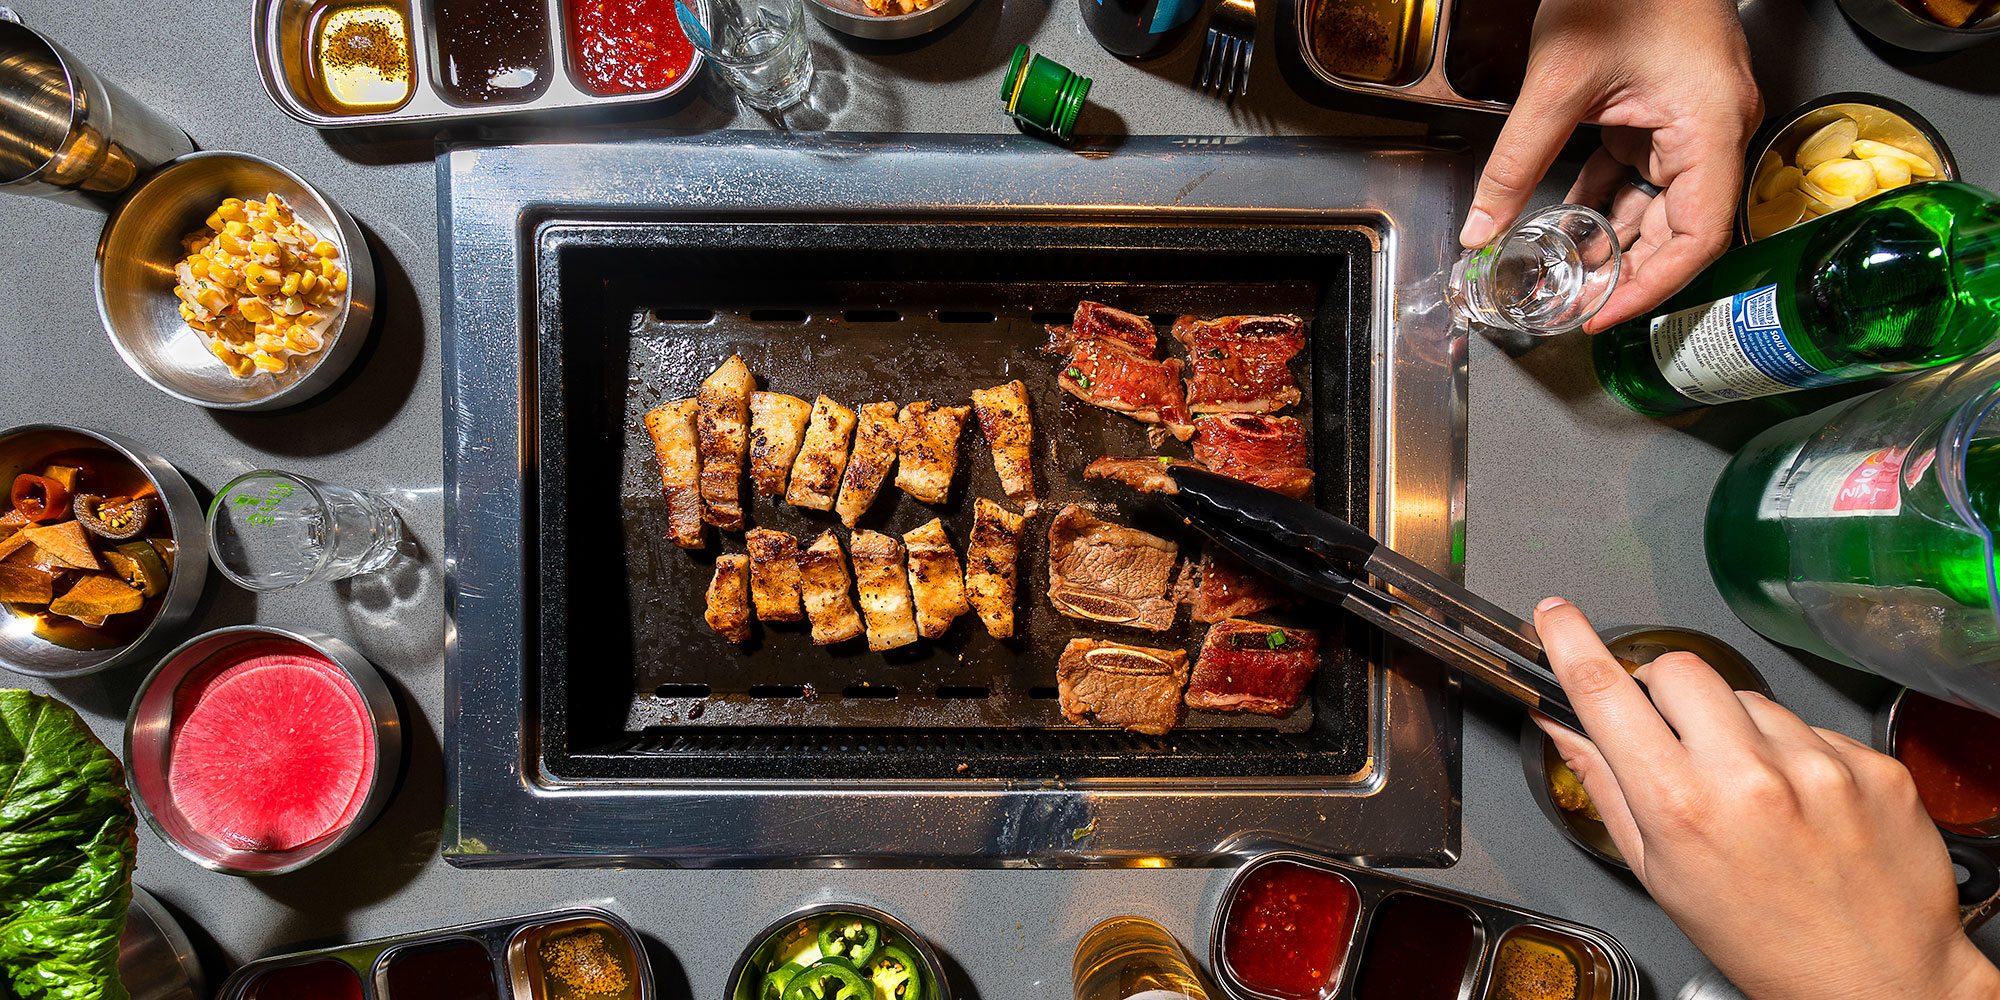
{"x": 638, "y": 736}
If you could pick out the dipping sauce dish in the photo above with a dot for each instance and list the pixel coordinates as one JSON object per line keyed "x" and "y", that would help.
{"x": 1953, "y": 755}
{"x": 1361, "y": 934}
{"x": 1448, "y": 53}
{"x": 346, "y": 63}
{"x": 581, "y": 953}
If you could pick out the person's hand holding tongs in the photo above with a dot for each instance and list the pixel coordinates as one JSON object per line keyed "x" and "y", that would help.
{"x": 1799, "y": 860}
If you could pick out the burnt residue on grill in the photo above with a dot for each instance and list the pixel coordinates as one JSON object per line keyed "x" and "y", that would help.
{"x": 631, "y": 672}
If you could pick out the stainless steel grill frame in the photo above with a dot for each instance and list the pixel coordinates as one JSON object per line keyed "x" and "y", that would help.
{"x": 509, "y": 807}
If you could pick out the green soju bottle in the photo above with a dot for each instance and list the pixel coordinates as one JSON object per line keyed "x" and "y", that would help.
{"x": 1903, "y": 281}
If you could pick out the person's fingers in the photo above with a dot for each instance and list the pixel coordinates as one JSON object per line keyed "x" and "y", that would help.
{"x": 1697, "y": 209}
{"x": 1548, "y": 111}
{"x": 1629, "y": 205}
{"x": 1583, "y": 757}
{"x": 1631, "y": 734}
{"x": 1786, "y": 732}
{"x": 1698, "y": 703}
{"x": 1599, "y": 180}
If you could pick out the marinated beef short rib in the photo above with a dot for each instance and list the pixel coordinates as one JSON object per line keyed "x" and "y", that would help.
{"x": 1110, "y": 361}
{"x": 1250, "y": 667}
{"x": 1112, "y": 684}
{"x": 1231, "y": 589}
{"x": 1241, "y": 364}
{"x": 1258, "y": 449}
{"x": 1105, "y": 572}
{"x": 1147, "y": 475}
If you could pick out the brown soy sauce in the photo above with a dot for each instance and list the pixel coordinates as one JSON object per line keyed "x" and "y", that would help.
{"x": 1487, "y": 59}
{"x": 106, "y": 473}
{"x": 493, "y": 51}
{"x": 453, "y": 969}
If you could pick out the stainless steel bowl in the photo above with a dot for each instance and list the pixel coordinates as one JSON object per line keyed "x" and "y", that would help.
{"x": 1639, "y": 644}
{"x": 1880, "y": 118}
{"x": 24, "y": 652}
{"x": 853, "y": 18}
{"x": 135, "y": 281}
{"x": 1888, "y": 728}
{"x": 155, "y": 959}
{"x": 1906, "y": 29}
{"x": 757, "y": 953}
{"x": 149, "y": 744}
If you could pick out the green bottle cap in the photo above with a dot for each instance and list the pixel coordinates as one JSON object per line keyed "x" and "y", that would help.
{"x": 1043, "y": 94}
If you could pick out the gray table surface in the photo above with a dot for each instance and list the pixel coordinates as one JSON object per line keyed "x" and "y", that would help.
{"x": 1568, "y": 492}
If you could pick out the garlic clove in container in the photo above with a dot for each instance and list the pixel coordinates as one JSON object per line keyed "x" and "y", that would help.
{"x": 1843, "y": 178}
{"x": 1780, "y": 181}
{"x": 1834, "y": 140}
{"x": 1890, "y": 172}
{"x": 1777, "y": 214}
{"x": 1823, "y": 200}
{"x": 1871, "y": 148}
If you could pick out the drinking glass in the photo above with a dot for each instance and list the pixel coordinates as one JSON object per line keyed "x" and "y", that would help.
{"x": 67, "y": 135}
{"x": 1547, "y": 275}
{"x": 759, "y": 46}
{"x": 270, "y": 530}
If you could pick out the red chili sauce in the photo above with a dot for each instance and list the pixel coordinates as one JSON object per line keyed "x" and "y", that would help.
{"x": 1418, "y": 949}
{"x": 627, "y": 46}
{"x": 1288, "y": 929}
{"x": 321, "y": 979}
{"x": 1950, "y": 753}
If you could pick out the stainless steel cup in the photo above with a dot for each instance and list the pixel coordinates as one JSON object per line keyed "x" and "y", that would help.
{"x": 67, "y": 135}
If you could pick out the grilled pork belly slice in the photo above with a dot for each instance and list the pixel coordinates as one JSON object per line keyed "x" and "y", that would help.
{"x": 1105, "y": 572}
{"x": 1249, "y": 667}
{"x": 1241, "y": 364}
{"x": 1258, "y": 449}
{"x": 777, "y": 428}
{"x": 774, "y": 575}
{"x": 672, "y": 428}
{"x": 937, "y": 582}
{"x": 822, "y": 456}
{"x": 1147, "y": 475}
{"x": 1113, "y": 684}
{"x": 991, "y": 569}
{"x": 825, "y": 584}
{"x": 883, "y": 577}
{"x": 1231, "y": 589}
{"x": 729, "y": 598}
{"x": 722, "y": 428}
{"x": 927, "y": 452}
{"x": 876, "y": 434}
{"x": 1003, "y": 419}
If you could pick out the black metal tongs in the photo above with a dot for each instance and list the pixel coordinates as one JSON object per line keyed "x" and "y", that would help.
{"x": 1325, "y": 557}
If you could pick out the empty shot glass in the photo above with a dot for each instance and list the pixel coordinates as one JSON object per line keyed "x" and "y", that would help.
{"x": 270, "y": 530}
{"x": 759, "y": 47}
{"x": 1549, "y": 274}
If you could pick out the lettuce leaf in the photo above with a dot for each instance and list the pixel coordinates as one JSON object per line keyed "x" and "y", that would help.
{"x": 66, "y": 852}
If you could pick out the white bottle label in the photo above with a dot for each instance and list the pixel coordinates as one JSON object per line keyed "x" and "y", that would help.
{"x": 1731, "y": 349}
{"x": 1857, "y": 484}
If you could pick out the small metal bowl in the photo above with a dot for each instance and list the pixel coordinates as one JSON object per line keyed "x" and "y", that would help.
{"x": 1906, "y": 29}
{"x": 1641, "y": 644}
{"x": 141, "y": 245}
{"x": 743, "y": 987}
{"x": 1880, "y": 118}
{"x": 851, "y": 17}
{"x": 155, "y": 958}
{"x": 1887, "y": 729}
{"x": 26, "y": 653}
{"x": 149, "y": 739}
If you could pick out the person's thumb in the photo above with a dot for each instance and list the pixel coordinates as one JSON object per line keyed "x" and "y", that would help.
{"x": 1550, "y": 107}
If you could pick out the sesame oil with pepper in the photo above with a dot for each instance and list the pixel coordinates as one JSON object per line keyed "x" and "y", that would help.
{"x": 360, "y": 56}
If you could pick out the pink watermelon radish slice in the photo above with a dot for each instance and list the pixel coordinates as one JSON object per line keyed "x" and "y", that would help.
{"x": 272, "y": 752}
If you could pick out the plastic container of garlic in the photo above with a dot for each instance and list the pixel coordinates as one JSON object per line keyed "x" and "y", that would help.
{"x": 1833, "y": 152}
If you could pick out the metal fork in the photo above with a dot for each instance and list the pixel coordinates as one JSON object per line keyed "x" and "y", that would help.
{"x": 1225, "y": 57}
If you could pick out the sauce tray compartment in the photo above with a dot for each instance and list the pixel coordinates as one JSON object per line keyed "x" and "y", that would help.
{"x": 1367, "y": 935}
{"x": 459, "y": 59}
{"x": 1448, "y": 53}
{"x": 580, "y": 953}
